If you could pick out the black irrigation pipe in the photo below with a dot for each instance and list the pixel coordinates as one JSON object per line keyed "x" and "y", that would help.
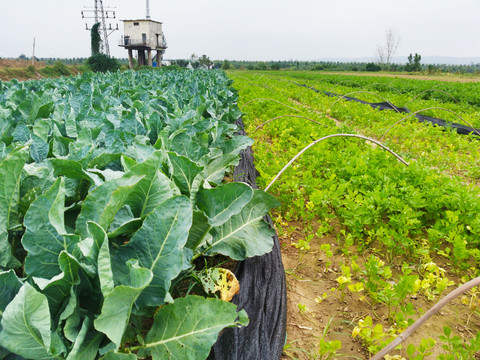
{"x": 263, "y": 293}
{"x": 461, "y": 129}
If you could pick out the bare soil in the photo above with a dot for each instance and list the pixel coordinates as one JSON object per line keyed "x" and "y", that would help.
{"x": 308, "y": 278}
{"x": 18, "y": 63}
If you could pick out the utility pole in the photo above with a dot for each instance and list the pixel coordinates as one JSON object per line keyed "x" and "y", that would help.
{"x": 33, "y": 52}
{"x": 100, "y": 14}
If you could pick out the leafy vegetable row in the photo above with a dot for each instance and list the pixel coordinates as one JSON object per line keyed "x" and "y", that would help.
{"x": 403, "y": 231}
{"x": 450, "y": 92}
{"x": 111, "y": 186}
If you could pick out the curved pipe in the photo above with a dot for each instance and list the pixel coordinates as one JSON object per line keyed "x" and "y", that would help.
{"x": 328, "y": 137}
{"x": 432, "y": 108}
{"x": 423, "y": 92}
{"x": 403, "y": 336}
{"x": 365, "y": 92}
{"x": 283, "y": 116}
{"x": 258, "y": 99}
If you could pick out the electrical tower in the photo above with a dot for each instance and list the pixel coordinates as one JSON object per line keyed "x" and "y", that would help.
{"x": 148, "y": 10}
{"x": 100, "y": 14}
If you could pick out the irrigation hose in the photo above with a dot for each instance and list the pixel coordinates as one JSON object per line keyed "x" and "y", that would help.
{"x": 403, "y": 336}
{"x": 328, "y": 137}
{"x": 284, "y": 116}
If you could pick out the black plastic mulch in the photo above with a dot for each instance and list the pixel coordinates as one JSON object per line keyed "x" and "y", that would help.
{"x": 461, "y": 129}
{"x": 263, "y": 294}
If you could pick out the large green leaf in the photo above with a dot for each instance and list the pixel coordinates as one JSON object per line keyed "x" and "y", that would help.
{"x": 187, "y": 146}
{"x": 105, "y": 273}
{"x": 198, "y": 231}
{"x": 89, "y": 248}
{"x": 45, "y": 235}
{"x": 57, "y": 289}
{"x": 70, "y": 125}
{"x": 9, "y": 287}
{"x": 74, "y": 169}
{"x": 236, "y": 144}
{"x": 104, "y": 202}
{"x": 216, "y": 169}
{"x": 42, "y": 128}
{"x": 158, "y": 246}
{"x": 118, "y": 356}
{"x": 222, "y": 202}
{"x": 246, "y": 234}
{"x": 10, "y": 172}
{"x": 117, "y": 306}
{"x": 26, "y": 325}
{"x": 188, "y": 328}
{"x": 87, "y": 342}
{"x": 185, "y": 173}
{"x": 153, "y": 189}
{"x": 38, "y": 149}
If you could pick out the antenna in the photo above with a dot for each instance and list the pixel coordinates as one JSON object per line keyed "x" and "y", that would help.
{"x": 100, "y": 13}
{"x": 148, "y": 9}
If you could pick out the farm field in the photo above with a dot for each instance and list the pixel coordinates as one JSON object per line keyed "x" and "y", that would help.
{"x": 369, "y": 243}
{"x": 116, "y": 215}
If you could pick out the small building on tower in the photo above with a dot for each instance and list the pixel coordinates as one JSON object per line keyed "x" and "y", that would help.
{"x": 144, "y": 36}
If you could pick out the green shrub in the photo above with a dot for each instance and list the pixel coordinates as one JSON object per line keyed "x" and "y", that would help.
{"x": 31, "y": 70}
{"x": 171, "y": 67}
{"x": 48, "y": 71}
{"x": 61, "y": 69}
{"x": 102, "y": 63}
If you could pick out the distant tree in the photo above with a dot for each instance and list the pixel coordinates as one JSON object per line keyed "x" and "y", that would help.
{"x": 261, "y": 66}
{"x": 23, "y": 57}
{"x": 386, "y": 51}
{"x": 373, "y": 67}
{"x": 414, "y": 62}
{"x": 204, "y": 60}
{"x": 432, "y": 69}
{"x": 226, "y": 65}
{"x": 95, "y": 39}
{"x": 181, "y": 62}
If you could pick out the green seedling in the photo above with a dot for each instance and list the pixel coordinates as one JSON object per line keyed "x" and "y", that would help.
{"x": 302, "y": 308}
{"x": 422, "y": 351}
{"x": 328, "y": 254}
{"x": 327, "y": 349}
{"x": 343, "y": 281}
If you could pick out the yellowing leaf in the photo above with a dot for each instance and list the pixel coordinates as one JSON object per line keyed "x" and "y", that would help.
{"x": 220, "y": 280}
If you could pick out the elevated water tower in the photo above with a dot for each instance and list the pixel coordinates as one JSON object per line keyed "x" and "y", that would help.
{"x": 144, "y": 36}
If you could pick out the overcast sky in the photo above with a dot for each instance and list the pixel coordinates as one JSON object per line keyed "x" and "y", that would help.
{"x": 253, "y": 29}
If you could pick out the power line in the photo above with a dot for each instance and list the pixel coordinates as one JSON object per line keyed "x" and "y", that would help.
{"x": 100, "y": 14}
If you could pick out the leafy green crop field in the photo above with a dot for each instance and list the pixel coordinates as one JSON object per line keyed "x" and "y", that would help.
{"x": 370, "y": 243}
{"x": 113, "y": 200}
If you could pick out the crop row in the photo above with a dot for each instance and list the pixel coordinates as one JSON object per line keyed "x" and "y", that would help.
{"x": 112, "y": 185}
{"x": 427, "y": 144}
{"x": 397, "y": 223}
{"x": 442, "y": 91}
